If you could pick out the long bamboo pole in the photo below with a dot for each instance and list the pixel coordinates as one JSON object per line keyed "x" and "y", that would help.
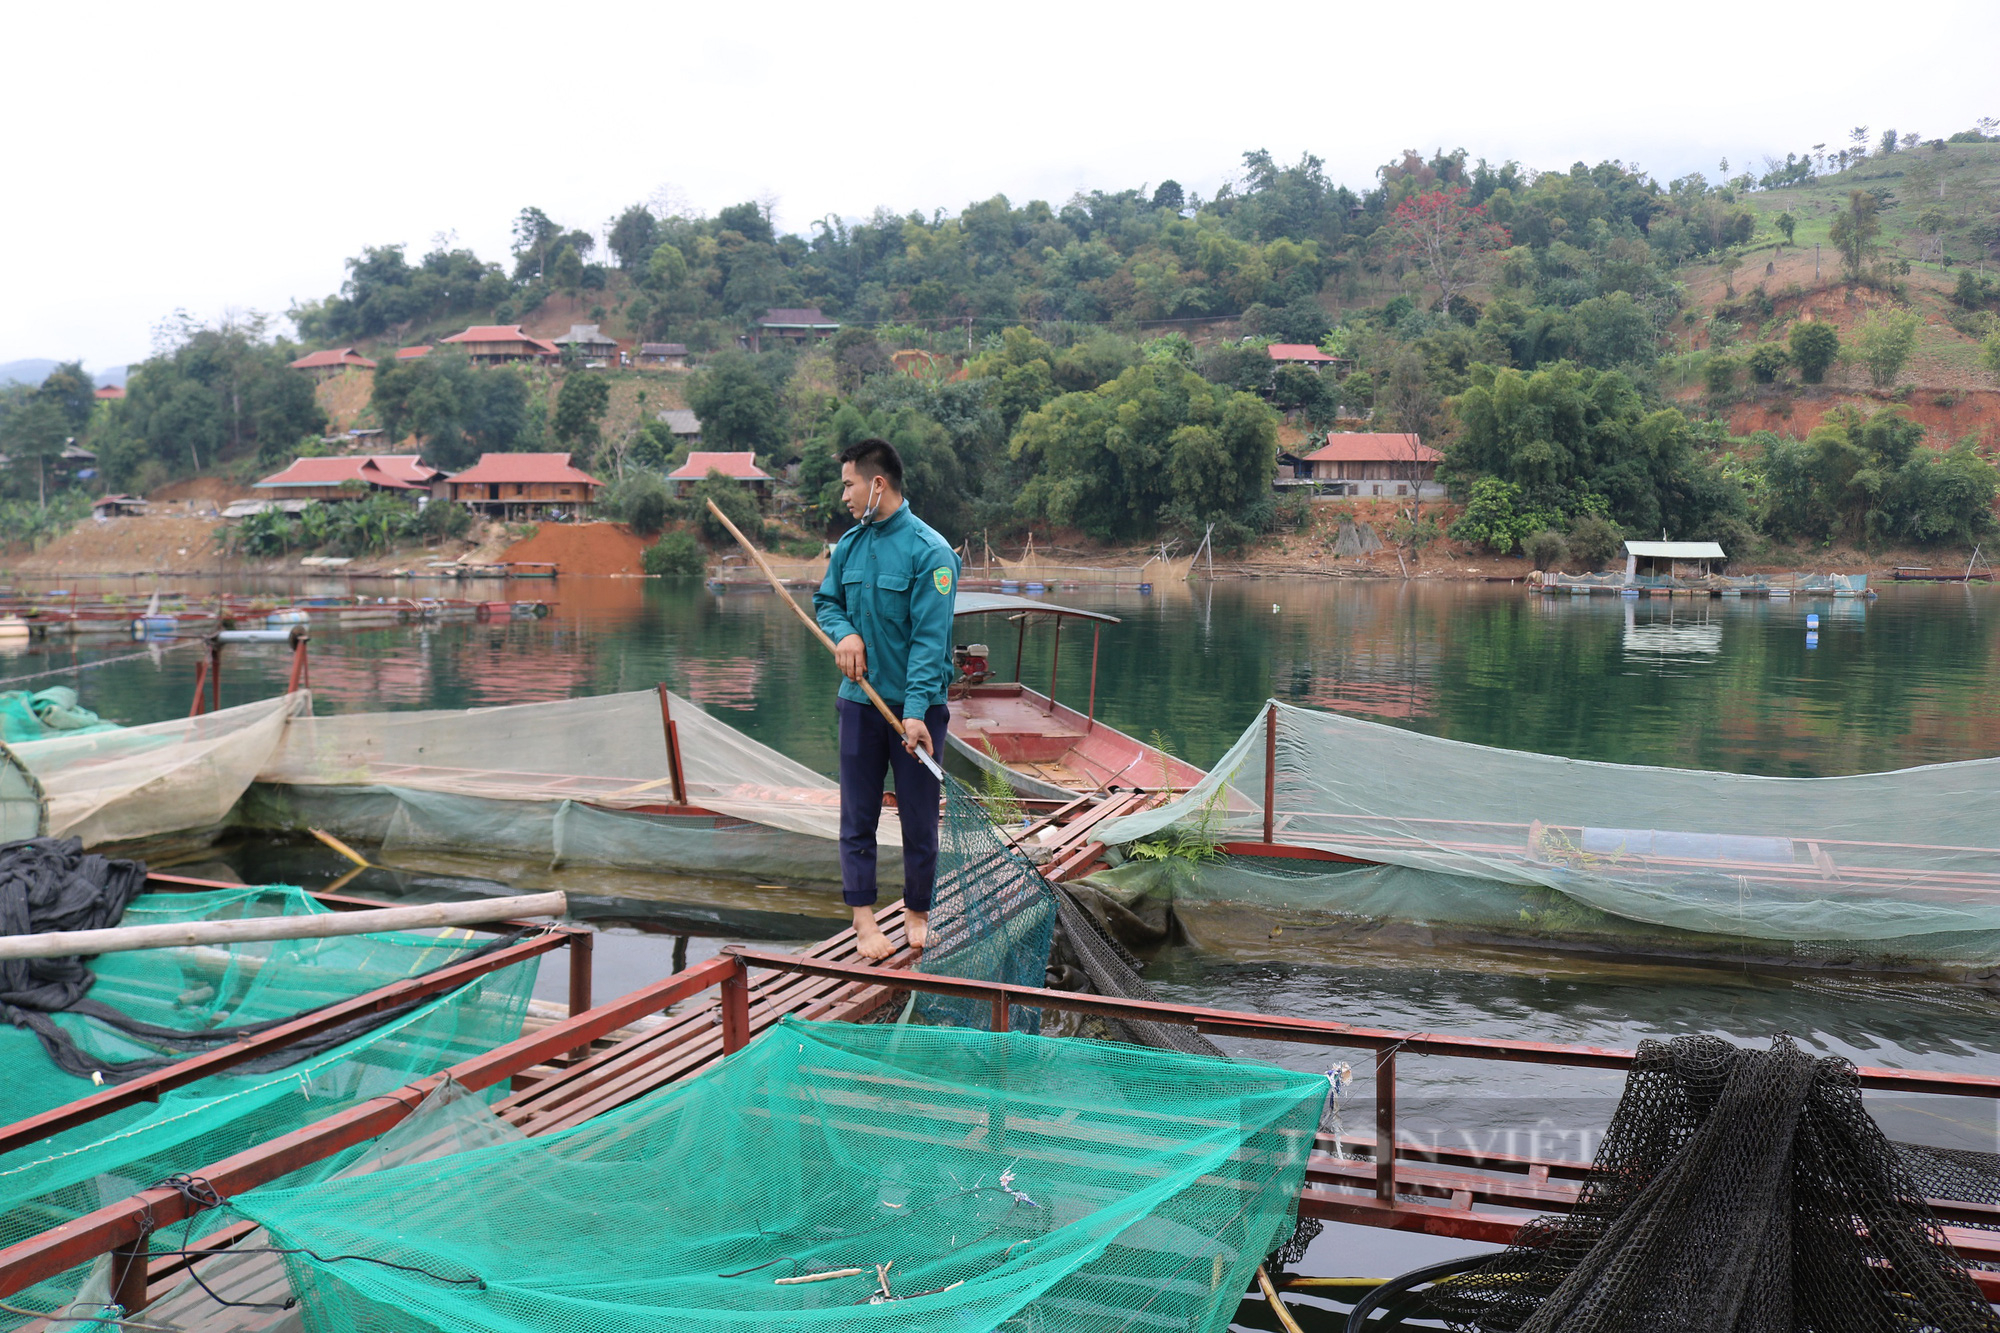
{"x": 785, "y": 595}
{"x": 319, "y": 925}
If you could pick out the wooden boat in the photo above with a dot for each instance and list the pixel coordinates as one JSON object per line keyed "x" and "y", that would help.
{"x": 1044, "y": 748}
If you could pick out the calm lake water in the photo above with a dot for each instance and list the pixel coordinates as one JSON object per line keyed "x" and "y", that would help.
{"x": 1910, "y": 678}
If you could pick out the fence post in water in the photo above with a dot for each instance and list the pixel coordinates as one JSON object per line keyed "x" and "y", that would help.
{"x": 200, "y": 685}
{"x": 582, "y": 947}
{"x": 736, "y": 1009}
{"x": 673, "y": 748}
{"x": 301, "y": 672}
{"x": 1270, "y": 773}
{"x": 1385, "y": 1126}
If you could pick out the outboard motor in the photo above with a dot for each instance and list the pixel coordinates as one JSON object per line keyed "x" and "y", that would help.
{"x": 970, "y": 662}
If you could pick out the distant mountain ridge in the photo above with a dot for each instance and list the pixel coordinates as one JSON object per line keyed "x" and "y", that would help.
{"x": 34, "y": 370}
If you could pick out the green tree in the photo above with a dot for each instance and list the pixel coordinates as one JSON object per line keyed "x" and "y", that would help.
{"x": 36, "y": 430}
{"x": 73, "y": 393}
{"x": 737, "y": 405}
{"x": 1158, "y": 440}
{"x": 1989, "y": 354}
{"x": 634, "y": 236}
{"x": 1854, "y": 231}
{"x": 536, "y": 236}
{"x": 456, "y": 411}
{"x": 283, "y": 411}
{"x": 1767, "y": 361}
{"x": 1787, "y": 224}
{"x": 1720, "y": 376}
{"x": 1815, "y": 347}
{"x": 566, "y": 269}
{"x": 580, "y": 407}
{"x": 1871, "y": 478}
{"x": 1493, "y": 516}
{"x": 1884, "y": 343}
{"x": 676, "y": 555}
{"x": 1576, "y": 440}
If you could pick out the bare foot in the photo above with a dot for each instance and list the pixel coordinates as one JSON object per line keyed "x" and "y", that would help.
{"x": 916, "y": 928}
{"x": 868, "y": 936}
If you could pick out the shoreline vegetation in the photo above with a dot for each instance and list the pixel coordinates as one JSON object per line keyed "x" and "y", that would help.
{"x": 1800, "y": 362}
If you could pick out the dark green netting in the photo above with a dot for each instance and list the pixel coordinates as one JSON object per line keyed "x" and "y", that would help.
{"x": 74, "y": 1172}
{"x": 992, "y": 917}
{"x": 1003, "y": 1182}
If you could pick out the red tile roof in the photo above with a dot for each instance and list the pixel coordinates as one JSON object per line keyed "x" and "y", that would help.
{"x": 524, "y": 469}
{"x": 739, "y": 466}
{"x": 396, "y": 472}
{"x": 503, "y": 333}
{"x": 1298, "y": 352}
{"x": 333, "y": 356}
{"x": 111, "y": 391}
{"x": 411, "y": 353}
{"x": 1367, "y": 447}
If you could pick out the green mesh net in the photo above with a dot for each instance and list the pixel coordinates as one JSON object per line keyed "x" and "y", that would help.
{"x": 81, "y": 1169}
{"x": 992, "y": 916}
{"x": 974, "y": 1181}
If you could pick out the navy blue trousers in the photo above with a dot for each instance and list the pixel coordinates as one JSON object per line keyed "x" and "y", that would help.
{"x": 869, "y": 748}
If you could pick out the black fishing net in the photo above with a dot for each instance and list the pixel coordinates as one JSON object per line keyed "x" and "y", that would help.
{"x": 1736, "y": 1192}
{"x": 992, "y": 915}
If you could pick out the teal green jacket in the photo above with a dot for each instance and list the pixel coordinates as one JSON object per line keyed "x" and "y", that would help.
{"x": 894, "y": 583}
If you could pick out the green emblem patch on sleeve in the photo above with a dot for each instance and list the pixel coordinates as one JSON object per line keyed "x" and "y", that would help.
{"x": 942, "y": 578}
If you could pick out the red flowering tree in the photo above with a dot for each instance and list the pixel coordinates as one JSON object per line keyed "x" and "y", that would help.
{"x": 1445, "y": 236}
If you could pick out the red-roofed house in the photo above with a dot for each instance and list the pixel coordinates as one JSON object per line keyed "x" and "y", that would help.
{"x": 412, "y": 353}
{"x": 739, "y": 467}
{"x": 110, "y": 393}
{"x": 351, "y": 476}
{"x": 1382, "y": 463}
{"x": 331, "y": 361}
{"x": 520, "y": 486}
{"x": 491, "y": 344}
{"x": 1299, "y": 354}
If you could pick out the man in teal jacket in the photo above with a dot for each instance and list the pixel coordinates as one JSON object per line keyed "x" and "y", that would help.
{"x": 887, "y": 603}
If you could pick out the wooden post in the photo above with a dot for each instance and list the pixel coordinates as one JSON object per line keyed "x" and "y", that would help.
{"x": 1055, "y": 660}
{"x": 200, "y": 687}
{"x": 214, "y": 674}
{"x": 1270, "y": 772}
{"x": 736, "y": 1010}
{"x": 128, "y": 1275}
{"x": 582, "y": 949}
{"x": 301, "y": 672}
{"x": 1385, "y": 1126}
{"x": 1090, "y": 716}
{"x": 1002, "y": 1020}
{"x": 673, "y": 731}
{"x": 1020, "y": 642}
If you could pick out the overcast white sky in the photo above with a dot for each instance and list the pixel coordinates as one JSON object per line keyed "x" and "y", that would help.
{"x": 215, "y": 156}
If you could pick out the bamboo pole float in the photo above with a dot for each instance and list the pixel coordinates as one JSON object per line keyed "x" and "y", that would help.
{"x": 318, "y": 925}
{"x": 785, "y": 595}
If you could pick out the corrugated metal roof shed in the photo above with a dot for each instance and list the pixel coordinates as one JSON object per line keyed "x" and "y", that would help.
{"x": 1676, "y": 550}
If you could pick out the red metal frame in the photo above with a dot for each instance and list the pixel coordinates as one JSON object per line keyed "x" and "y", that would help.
{"x": 126, "y": 1223}
{"x": 122, "y": 1227}
{"x": 196, "y": 1067}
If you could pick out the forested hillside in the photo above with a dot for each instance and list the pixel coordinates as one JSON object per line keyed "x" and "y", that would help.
{"x": 1803, "y": 352}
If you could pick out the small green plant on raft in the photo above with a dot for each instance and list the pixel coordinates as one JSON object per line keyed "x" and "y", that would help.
{"x": 1187, "y": 842}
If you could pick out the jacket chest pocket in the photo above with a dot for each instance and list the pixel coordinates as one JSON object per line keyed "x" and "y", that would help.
{"x": 893, "y": 582}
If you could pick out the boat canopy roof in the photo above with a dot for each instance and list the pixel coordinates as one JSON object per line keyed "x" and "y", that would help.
{"x": 979, "y": 603}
